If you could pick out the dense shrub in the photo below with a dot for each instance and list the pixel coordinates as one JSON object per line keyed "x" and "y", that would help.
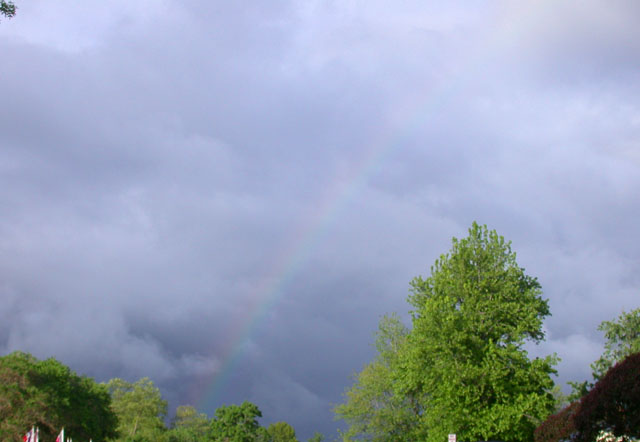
{"x": 613, "y": 404}
{"x": 557, "y": 427}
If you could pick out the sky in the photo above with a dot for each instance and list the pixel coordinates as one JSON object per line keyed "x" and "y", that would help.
{"x": 226, "y": 197}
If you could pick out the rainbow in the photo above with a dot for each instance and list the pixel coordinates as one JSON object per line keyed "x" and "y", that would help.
{"x": 344, "y": 189}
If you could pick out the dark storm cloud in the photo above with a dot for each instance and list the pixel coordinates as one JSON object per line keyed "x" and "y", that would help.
{"x": 157, "y": 158}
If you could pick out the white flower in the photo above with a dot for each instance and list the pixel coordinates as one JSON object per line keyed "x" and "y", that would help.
{"x": 607, "y": 436}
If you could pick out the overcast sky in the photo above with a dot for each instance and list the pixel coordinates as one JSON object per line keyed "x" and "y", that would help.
{"x": 226, "y": 196}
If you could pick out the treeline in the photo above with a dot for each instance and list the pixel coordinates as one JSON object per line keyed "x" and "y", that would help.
{"x": 50, "y": 396}
{"x": 462, "y": 367}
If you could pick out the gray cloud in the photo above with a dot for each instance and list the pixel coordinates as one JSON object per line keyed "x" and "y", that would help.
{"x": 163, "y": 165}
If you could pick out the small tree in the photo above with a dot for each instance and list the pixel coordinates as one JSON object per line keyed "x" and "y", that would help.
{"x": 373, "y": 410}
{"x": 317, "y": 437}
{"x": 139, "y": 407}
{"x": 189, "y": 425}
{"x": 236, "y": 423}
{"x": 622, "y": 338}
{"x": 281, "y": 432}
{"x": 7, "y": 8}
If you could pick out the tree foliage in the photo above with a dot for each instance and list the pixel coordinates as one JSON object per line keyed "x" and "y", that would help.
{"x": 373, "y": 409}
{"x": 466, "y": 359}
{"x": 188, "y": 425}
{"x": 613, "y": 404}
{"x": 281, "y": 432}
{"x": 22, "y": 404}
{"x": 50, "y": 395}
{"x": 317, "y": 437}
{"x": 140, "y": 409}
{"x": 236, "y": 423}
{"x": 559, "y": 426}
{"x": 7, "y": 8}
{"x": 622, "y": 338}
{"x": 462, "y": 368}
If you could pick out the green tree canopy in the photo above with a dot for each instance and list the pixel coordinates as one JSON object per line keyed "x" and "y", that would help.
{"x": 281, "y": 432}
{"x": 7, "y": 8}
{"x": 189, "y": 425}
{"x": 236, "y": 423}
{"x": 140, "y": 409}
{"x": 466, "y": 359}
{"x": 49, "y": 395}
{"x": 373, "y": 410}
{"x": 317, "y": 437}
{"x": 462, "y": 368}
{"x": 622, "y": 338}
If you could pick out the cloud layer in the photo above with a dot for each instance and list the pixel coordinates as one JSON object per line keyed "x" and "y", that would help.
{"x": 226, "y": 197}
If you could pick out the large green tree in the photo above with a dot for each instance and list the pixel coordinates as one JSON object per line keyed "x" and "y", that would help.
{"x": 140, "y": 409}
{"x": 465, "y": 357}
{"x": 373, "y": 409}
{"x": 50, "y": 395}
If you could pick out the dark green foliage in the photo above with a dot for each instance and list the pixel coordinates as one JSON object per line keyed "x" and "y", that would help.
{"x": 84, "y": 406}
{"x": 22, "y": 404}
{"x": 558, "y": 426}
{"x": 236, "y": 423}
{"x": 7, "y": 8}
{"x": 613, "y": 404}
{"x": 49, "y": 395}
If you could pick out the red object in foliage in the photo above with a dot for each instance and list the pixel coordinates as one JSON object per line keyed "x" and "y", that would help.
{"x": 558, "y": 426}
